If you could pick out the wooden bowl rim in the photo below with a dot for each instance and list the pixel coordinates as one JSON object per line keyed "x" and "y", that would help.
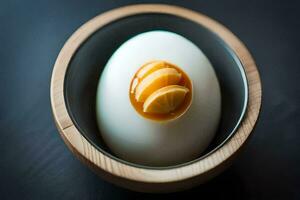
{"x": 80, "y": 145}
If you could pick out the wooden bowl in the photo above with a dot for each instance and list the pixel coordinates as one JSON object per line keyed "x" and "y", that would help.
{"x": 78, "y": 68}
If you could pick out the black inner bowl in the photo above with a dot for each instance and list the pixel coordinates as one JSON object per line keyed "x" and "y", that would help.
{"x": 88, "y": 62}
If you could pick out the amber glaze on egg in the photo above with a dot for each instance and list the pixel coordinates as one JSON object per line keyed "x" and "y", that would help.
{"x": 184, "y": 81}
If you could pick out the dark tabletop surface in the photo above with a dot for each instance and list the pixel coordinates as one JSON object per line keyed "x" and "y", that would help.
{"x": 36, "y": 164}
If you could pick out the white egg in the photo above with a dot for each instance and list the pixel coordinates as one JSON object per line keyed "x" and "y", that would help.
{"x": 139, "y": 140}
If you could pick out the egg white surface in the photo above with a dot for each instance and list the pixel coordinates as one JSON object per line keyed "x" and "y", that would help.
{"x": 139, "y": 140}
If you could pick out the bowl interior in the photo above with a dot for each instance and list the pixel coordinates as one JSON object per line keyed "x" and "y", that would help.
{"x": 89, "y": 60}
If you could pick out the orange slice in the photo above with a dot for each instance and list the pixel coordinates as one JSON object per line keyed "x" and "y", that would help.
{"x": 149, "y": 68}
{"x": 165, "y": 100}
{"x": 134, "y": 84}
{"x": 156, "y": 80}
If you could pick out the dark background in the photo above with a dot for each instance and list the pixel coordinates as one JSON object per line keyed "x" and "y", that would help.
{"x": 36, "y": 164}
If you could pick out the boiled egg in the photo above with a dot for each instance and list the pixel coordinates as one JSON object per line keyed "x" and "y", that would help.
{"x": 158, "y": 100}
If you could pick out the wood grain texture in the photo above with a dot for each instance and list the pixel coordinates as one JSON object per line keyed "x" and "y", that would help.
{"x": 141, "y": 179}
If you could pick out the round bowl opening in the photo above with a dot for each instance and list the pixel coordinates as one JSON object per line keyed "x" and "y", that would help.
{"x": 86, "y": 65}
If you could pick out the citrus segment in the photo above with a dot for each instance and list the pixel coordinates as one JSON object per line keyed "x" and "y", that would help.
{"x": 134, "y": 84}
{"x": 149, "y": 68}
{"x": 165, "y": 100}
{"x": 155, "y": 81}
